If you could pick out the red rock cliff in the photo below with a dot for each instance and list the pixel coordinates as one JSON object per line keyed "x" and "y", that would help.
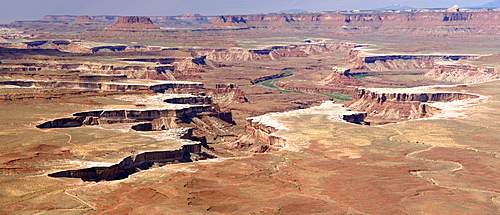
{"x": 134, "y": 23}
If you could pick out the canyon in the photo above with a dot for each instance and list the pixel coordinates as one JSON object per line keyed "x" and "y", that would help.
{"x": 404, "y": 104}
{"x": 368, "y": 112}
{"x": 131, "y": 164}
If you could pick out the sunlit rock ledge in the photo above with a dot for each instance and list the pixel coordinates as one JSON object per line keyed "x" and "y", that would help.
{"x": 266, "y": 126}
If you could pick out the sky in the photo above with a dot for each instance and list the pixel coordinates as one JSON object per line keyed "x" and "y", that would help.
{"x": 17, "y": 10}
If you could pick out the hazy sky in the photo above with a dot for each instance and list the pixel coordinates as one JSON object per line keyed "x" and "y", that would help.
{"x": 11, "y": 10}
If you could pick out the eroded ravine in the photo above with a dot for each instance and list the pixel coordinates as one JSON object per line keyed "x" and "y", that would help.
{"x": 153, "y": 115}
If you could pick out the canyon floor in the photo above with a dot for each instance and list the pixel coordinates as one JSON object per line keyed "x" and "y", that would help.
{"x": 73, "y": 107}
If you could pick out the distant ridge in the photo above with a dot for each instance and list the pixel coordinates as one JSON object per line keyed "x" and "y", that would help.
{"x": 396, "y": 7}
{"x": 492, "y": 4}
{"x": 133, "y": 23}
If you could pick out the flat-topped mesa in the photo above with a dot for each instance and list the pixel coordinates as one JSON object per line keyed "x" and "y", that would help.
{"x": 465, "y": 74}
{"x": 173, "y": 69}
{"x": 75, "y": 46}
{"x": 135, "y": 163}
{"x": 134, "y": 23}
{"x": 403, "y": 104}
{"x": 401, "y": 61}
{"x": 229, "y": 22}
{"x": 274, "y": 52}
{"x": 423, "y": 23}
{"x": 153, "y": 109}
{"x": 382, "y": 95}
{"x": 84, "y": 20}
{"x": 106, "y": 86}
{"x": 266, "y": 127}
{"x": 127, "y": 116}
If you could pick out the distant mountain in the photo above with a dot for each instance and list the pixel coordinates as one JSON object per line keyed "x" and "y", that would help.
{"x": 395, "y": 7}
{"x": 293, "y": 11}
{"x": 493, "y": 4}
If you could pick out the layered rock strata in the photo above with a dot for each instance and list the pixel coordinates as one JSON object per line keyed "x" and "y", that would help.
{"x": 362, "y": 60}
{"x": 340, "y": 77}
{"x": 420, "y": 23}
{"x": 170, "y": 69}
{"x": 133, "y": 23}
{"x": 274, "y": 52}
{"x": 266, "y": 128}
{"x": 135, "y": 163}
{"x": 105, "y": 86}
{"x": 463, "y": 73}
{"x": 404, "y": 104}
{"x": 78, "y": 46}
{"x": 126, "y": 116}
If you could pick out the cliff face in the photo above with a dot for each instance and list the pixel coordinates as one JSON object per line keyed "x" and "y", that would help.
{"x": 462, "y": 24}
{"x": 134, "y": 23}
{"x": 428, "y": 24}
{"x": 133, "y": 164}
{"x": 267, "y": 129}
{"x": 229, "y": 22}
{"x": 84, "y": 20}
{"x": 105, "y": 86}
{"x": 182, "y": 21}
{"x": 226, "y": 94}
{"x": 274, "y": 52}
{"x": 402, "y": 104}
{"x": 179, "y": 69}
{"x": 77, "y": 46}
{"x": 340, "y": 77}
{"x": 401, "y": 62}
{"x": 265, "y": 133}
{"x": 463, "y": 73}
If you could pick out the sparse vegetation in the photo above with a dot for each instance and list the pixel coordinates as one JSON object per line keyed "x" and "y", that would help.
{"x": 342, "y": 97}
{"x": 363, "y": 76}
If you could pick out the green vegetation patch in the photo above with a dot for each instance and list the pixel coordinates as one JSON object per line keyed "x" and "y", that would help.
{"x": 338, "y": 96}
{"x": 360, "y": 77}
{"x": 271, "y": 84}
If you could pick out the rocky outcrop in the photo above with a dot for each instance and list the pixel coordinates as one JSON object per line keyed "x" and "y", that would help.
{"x": 266, "y": 128}
{"x": 402, "y": 104}
{"x": 70, "y": 122}
{"x": 83, "y": 20}
{"x": 269, "y": 77}
{"x": 153, "y": 60}
{"x": 340, "y": 77}
{"x": 225, "y": 94}
{"x": 135, "y": 163}
{"x": 182, "y": 69}
{"x": 420, "y": 23}
{"x": 229, "y": 22}
{"x": 265, "y": 132}
{"x": 188, "y": 69}
{"x": 75, "y": 46}
{"x": 104, "y": 86}
{"x": 462, "y": 24}
{"x": 274, "y": 52}
{"x": 401, "y": 62}
{"x": 148, "y": 115}
{"x": 159, "y": 115}
{"x": 134, "y": 23}
{"x": 455, "y": 8}
{"x": 195, "y": 100}
{"x": 463, "y": 73}
{"x": 400, "y": 95}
